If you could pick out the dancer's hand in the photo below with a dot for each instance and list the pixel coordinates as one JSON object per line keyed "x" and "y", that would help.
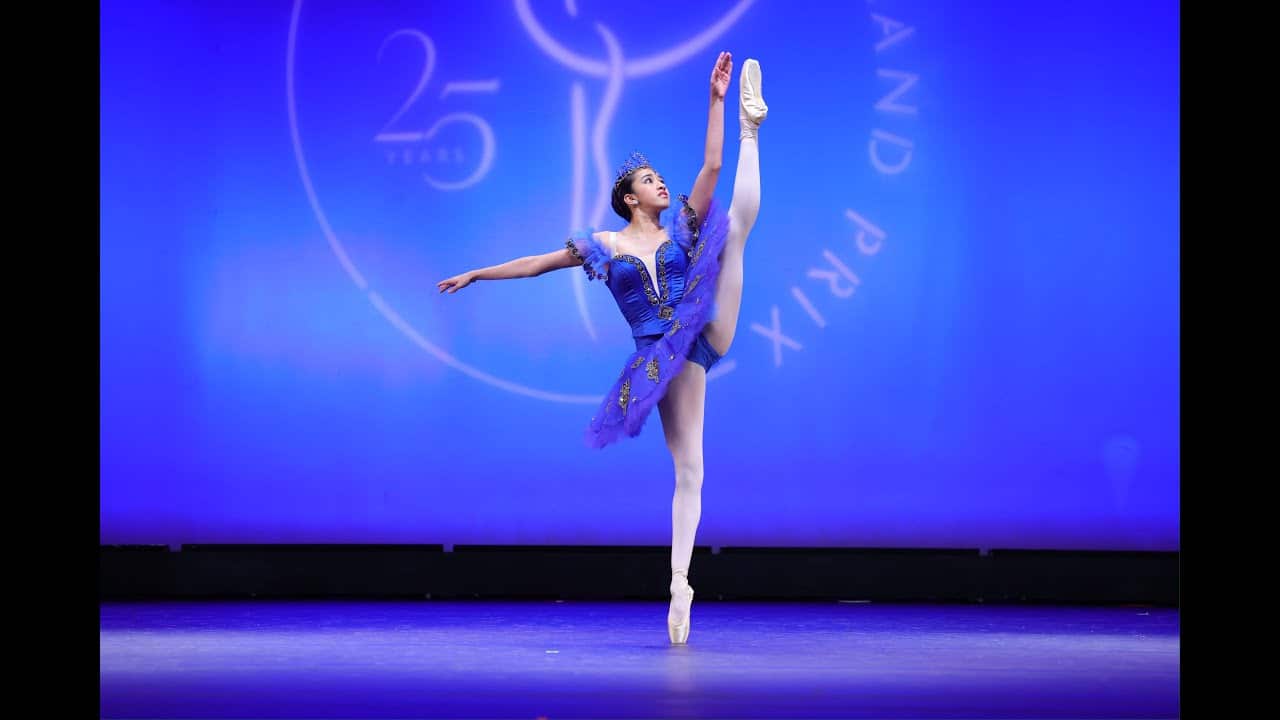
{"x": 457, "y": 282}
{"x": 720, "y": 76}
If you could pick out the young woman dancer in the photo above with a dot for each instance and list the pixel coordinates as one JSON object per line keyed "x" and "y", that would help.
{"x": 680, "y": 289}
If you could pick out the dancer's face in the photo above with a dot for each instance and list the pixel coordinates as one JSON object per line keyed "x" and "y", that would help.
{"x": 649, "y": 190}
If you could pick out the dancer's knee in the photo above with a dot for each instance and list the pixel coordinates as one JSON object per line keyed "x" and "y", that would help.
{"x": 740, "y": 221}
{"x": 689, "y": 474}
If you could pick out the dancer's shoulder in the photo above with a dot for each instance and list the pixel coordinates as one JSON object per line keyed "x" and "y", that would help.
{"x": 590, "y": 249}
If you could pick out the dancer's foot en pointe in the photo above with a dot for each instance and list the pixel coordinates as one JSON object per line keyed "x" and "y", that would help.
{"x": 751, "y": 108}
{"x": 681, "y": 606}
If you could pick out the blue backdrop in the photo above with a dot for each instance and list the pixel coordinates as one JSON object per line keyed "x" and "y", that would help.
{"x": 960, "y": 316}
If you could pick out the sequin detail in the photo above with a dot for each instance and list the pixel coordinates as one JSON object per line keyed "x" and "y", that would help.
{"x": 624, "y": 395}
{"x": 577, "y": 254}
{"x": 691, "y": 222}
{"x": 644, "y": 276}
{"x": 663, "y": 281}
{"x": 639, "y": 361}
{"x": 697, "y": 253}
{"x": 664, "y": 287}
{"x": 651, "y": 370}
{"x": 690, "y": 214}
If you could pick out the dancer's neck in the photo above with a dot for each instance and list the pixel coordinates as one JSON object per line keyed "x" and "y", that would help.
{"x": 644, "y": 224}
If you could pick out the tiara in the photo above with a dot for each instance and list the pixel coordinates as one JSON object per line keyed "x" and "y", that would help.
{"x": 634, "y": 162}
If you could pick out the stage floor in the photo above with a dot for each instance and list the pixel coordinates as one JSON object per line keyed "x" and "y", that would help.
{"x": 565, "y": 659}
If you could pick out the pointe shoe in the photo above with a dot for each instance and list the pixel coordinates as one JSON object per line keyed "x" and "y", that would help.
{"x": 681, "y": 605}
{"x": 751, "y": 108}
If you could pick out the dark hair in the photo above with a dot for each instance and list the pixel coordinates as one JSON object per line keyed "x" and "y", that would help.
{"x": 623, "y": 187}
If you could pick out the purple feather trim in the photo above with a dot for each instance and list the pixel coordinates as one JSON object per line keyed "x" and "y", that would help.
{"x": 594, "y": 256}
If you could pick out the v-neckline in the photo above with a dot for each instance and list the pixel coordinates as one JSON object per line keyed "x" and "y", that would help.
{"x": 657, "y": 250}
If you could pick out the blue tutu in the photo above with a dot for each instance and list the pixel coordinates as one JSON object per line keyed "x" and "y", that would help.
{"x": 666, "y": 320}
